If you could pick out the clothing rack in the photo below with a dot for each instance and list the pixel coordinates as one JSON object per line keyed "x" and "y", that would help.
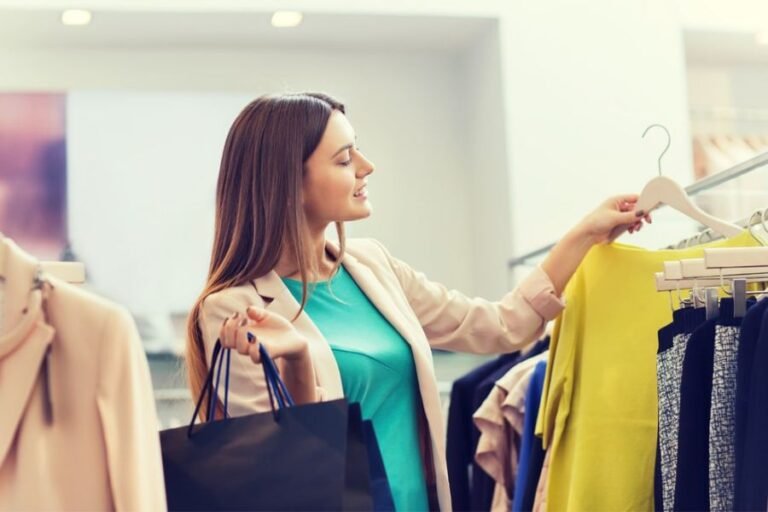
{"x": 700, "y": 186}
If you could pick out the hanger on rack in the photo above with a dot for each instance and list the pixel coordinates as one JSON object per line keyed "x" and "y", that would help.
{"x": 69, "y": 271}
{"x": 740, "y": 266}
{"x": 663, "y": 190}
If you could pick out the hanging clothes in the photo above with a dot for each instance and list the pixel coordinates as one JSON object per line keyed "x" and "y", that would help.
{"x": 531, "y": 451}
{"x": 463, "y": 435}
{"x": 706, "y": 447}
{"x": 471, "y": 485}
{"x": 692, "y": 480}
{"x": 500, "y": 422}
{"x": 540, "y": 501}
{"x": 599, "y": 409}
{"x": 752, "y": 415}
{"x": 673, "y": 340}
{"x": 483, "y": 485}
{"x": 722, "y": 420}
{"x": 78, "y": 427}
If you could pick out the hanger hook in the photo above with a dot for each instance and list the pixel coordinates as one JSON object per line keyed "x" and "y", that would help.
{"x": 669, "y": 140}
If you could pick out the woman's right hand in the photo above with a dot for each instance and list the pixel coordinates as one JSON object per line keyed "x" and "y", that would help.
{"x": 288, "y": 347}
{"x": 278, "y": 335}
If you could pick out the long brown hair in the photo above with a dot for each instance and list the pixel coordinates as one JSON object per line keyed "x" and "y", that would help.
{"x": 258, "y": 202}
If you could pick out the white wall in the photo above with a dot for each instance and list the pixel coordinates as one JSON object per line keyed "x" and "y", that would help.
{"x": 142, "y": 181}
{"x": 487, "y": 163}
{"x": 583, "y": 80}
{"x": 739, "y": 86}
{"x": 143, "y": 160}
{"x": 733, "y": 15}
{"x": 580, "y": 81}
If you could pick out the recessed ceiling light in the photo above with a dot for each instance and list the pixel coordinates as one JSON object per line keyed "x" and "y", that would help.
{"x": 761, "y": 38}
{"x": 286, "y": 19}
{"x": 76, "y": 17}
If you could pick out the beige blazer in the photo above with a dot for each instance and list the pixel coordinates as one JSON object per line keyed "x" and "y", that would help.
{"x": 100, "y": 450}
{"x": 425, "y": 313}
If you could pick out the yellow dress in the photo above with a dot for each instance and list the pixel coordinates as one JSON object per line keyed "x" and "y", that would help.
{"x": 598, "y": 414}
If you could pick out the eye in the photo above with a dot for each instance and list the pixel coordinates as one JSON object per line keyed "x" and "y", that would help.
{"x": 345, "y": 163}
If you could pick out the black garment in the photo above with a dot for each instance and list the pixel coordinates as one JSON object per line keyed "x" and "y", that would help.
{"x": 684, "y": 320}
{"x": 462, "y": 435}
{"x": 752, "y": 479}
{"x": 483, "y": 486}
{"x": 692, "y": 486}
{"x": 754, "y": 323}
{"x": 692, "y": 483}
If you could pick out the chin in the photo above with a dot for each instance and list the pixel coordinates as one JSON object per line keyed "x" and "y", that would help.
{"x": 361, "y": 214}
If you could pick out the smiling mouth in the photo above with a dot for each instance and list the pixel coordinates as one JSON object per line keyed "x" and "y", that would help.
{"x": 362, "y": 192}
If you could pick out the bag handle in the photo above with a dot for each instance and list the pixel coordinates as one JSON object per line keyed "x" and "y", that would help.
{"x": 274, "y": 380}
{"x": 275, "y": 386}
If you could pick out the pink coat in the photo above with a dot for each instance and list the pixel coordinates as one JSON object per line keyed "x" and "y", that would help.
{"x": 425, "y": 313}
{"x": 101, "y": 450}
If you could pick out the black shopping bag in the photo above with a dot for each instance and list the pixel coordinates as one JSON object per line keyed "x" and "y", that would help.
{"x": 382, "y": 493}
{"x": 307, "y": 457}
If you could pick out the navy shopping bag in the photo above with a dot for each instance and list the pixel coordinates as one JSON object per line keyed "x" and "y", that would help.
{"x": 305, "y": 457}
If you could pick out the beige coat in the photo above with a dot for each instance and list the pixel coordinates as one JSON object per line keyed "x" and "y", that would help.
{"x": 425, "y": 313}
{"x": 100, "y": 451}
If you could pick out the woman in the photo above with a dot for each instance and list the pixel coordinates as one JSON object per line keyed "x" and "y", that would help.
{"x": 349, "y": 319}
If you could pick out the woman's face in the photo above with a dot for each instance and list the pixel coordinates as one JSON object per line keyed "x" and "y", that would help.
{"x": 334, "y": 186}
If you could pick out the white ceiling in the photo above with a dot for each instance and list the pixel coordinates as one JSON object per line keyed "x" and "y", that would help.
{"x": 210, "y": 28}
{"x": 129, "y": 29}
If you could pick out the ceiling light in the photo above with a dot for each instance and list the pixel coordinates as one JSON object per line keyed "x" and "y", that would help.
{"x": 286, "y": 19}
{"x": 76, "y": 17}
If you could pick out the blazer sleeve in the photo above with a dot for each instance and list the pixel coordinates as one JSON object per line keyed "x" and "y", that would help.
{"x": 453, "y": 321}
{"x": 247, "y": 385}
{"x": 126, "y": 406}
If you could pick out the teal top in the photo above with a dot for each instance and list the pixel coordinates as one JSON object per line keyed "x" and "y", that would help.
{"x": 377, "y": 370}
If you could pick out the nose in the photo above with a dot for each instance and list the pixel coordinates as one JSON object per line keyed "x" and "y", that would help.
{"x": 366, "y": 167}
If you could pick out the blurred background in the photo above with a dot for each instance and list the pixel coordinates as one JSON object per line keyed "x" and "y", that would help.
{"x": 494, "y": 125}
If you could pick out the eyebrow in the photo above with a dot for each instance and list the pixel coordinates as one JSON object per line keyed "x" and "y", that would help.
{"x": 345, "y": 147}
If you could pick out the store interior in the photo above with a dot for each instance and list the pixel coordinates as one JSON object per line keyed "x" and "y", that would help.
{"x": 494, "y": 126}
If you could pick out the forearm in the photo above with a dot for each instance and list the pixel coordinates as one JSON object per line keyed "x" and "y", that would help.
{"x": 566, "y": 256}
{"x": 299, "y": 378}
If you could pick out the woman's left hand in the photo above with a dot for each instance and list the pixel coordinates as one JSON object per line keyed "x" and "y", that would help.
{"x": 612, "y": 217}
{"x": 609, "y": 220}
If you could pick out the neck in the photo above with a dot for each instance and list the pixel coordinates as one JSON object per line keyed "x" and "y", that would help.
{"x": 287, "y": 266}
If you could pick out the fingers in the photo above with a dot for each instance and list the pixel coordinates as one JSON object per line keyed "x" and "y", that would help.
{"x": 253, "y": 350}
{"x": 626, "y": 202}
{"x": 629, "y": 217}
{"x": 233, "y": 333}
{"x": 638, "y": 225}
{"x": 275, "y": 350}
{"x": 256, "y": 314}
{"x": 634, "y": 220}
{"x": 228, "y": 330}
{"x": 288, "y": 348}
{"x": 264, "y": 318}
{"x": 246, "y": 332}
{"x": 241, "y": 337}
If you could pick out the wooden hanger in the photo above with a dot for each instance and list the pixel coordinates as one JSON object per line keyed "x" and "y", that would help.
{"x": 69, "y": 271}
{"x": 736, "y": 257}
{"x": 662, "y": 190}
